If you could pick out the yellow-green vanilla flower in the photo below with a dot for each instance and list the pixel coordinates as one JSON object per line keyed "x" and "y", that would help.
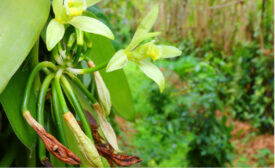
{"x": 140, "y": 53}
{"x": 70, "y": 12}
{"x": 86, "y": 146}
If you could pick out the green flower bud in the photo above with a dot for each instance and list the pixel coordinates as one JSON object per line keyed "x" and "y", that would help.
{"x": 86, "y": 146}
{"x": 102, "y": 90}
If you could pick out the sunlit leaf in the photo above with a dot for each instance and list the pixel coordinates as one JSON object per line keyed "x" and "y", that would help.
{"x": 11, "y": 100}
{"x": 21, "y": 22}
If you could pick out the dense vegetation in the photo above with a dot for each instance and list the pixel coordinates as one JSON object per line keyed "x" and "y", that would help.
{"x": 225, "y": 73}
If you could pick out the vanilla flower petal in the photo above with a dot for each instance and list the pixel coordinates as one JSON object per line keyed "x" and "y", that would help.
{"x": 91, "y": 25}
{"x": 141, "y": 38}
{"x": 118, "y": 61}
{"x": 54, "y": 33}
{"x": 147, "y": 23}
{"x": 152, "y": 72}
{"x": 168, "y": 51}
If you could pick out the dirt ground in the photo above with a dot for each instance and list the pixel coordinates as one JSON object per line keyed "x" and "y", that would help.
{"x": 247, "y": 143}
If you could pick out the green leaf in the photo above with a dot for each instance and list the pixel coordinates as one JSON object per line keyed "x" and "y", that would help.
{"x": 21, "y": 23}
{"x": 11, "y": 100}
{"x": 91, "y": 25}
{"x": 116, "y": 81}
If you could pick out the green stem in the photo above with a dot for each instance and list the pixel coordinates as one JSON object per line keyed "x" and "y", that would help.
{"x": 59, "y": 92}
{"x": 79, "y": 42}
{"x": 34, "y": 54}
{"x": 88, "y": 70}
{"x": 40, "y": 112}
{"x": 30, "y": 81}
{"x": 78, "y": 53}
{"x": 78, "y": 108}
{"x": 58, "y": 115}
{"x": 83, "y": 88}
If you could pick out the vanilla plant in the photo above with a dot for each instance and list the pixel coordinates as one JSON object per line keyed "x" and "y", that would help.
{"x": 95, "y": 137}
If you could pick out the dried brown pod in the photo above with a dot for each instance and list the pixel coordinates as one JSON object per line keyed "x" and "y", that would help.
{"x": 118, "y": 159}
{"x": 51, "y": 143}
{"x": 106, "y": 150}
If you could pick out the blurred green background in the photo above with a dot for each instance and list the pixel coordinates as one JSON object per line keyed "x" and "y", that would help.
{"x": 217, "y": 108}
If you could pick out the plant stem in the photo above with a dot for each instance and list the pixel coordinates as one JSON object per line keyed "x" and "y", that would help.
{"x": 59, "y": 92}
{"x": 78, "y": 108}
{"x": 40, "y": 113}
{"x": 58, "y": 116}
{"x": 83, "y": 88}
{"x": 31, "y": 79}
{"x": 88, "y": 70}
{"x": 34, "y": 54}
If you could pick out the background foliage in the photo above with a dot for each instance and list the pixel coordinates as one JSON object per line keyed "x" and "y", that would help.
{"x": 225, "y": 74}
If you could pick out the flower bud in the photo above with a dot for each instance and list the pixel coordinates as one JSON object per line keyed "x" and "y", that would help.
{"x": 102, "y": 90}
{"x": 52, "y": 145}
{"x": 86, "y": 146}
{"x": 106, "y": 128}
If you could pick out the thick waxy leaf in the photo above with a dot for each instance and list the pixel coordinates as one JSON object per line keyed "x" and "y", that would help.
{"x": 153, "y": 72}
{"x": 91, "y": 25}
{"x": 21, "y": 23}
{"x": 11, "y": 100}
{"x": 55, "y": 32}
{"x": 115, "y": 81}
